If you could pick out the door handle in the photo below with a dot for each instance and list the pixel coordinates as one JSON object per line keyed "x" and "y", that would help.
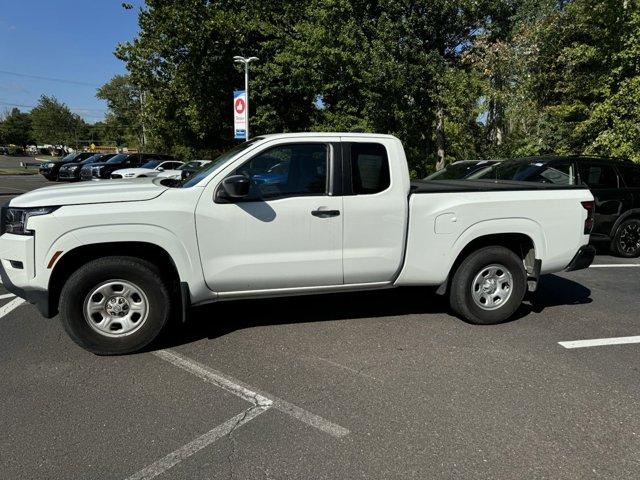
{"x": 325, "y": 213}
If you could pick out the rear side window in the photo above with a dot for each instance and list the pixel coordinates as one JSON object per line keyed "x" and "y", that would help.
{"x": 630, "y": 175}
{"x": 599, "y": 176}
{"x": 369, "y": 168}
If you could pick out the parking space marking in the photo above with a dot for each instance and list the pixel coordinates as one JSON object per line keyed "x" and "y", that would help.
{"x": 242, "y": 390}
{"x": 6, "y": 295}
{"x": 184, "y": 452}
{"x": 13, "y": 304}
{"x": 599, "y": 342}
{"x": 615, "y": 265}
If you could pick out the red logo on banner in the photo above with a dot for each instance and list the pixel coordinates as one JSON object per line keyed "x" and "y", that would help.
{"x": 240, "y": 106}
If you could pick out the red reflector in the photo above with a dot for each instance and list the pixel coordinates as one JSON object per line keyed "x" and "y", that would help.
{"x": 590, "y": 207}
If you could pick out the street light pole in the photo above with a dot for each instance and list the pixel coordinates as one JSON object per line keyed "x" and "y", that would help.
{"x": 246, "y": 61}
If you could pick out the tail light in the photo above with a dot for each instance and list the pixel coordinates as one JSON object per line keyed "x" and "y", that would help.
{"x": 590, "y": 207}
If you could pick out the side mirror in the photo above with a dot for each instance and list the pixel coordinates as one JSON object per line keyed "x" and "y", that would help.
{"x": 160, "y": 169}
{"x": 236, "y": 187}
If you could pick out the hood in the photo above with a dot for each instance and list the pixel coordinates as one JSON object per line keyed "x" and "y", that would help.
{"x": 123, "y": 171}
{"x": 105, "y": 191}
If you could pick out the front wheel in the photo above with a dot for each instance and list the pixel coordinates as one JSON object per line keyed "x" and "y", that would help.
{"x": 626, "y": 242}
{"x": 115, "y": 305}
{"x": 488, "y": 286}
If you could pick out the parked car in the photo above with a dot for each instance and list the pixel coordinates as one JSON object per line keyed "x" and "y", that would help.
{"x": 4, "y": 150}
{"x": 615, "y": 184}
{"x": 103, "y": 170}
{"x": 461, "y": 169}
{"x": 71, "y": 171}
{"x": 150, "y": 169}
{"x": 344, "y": 217}
{"x": 184, "y": 171}
{"x": 49, "y": 170}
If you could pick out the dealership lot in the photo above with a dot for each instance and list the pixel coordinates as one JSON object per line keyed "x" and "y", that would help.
{"x": 371, "y": 385}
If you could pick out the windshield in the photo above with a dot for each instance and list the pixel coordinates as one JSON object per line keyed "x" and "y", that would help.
{"x": 456, "y": 171}
{"x": 195, "y": 164}
{"x": 69, "y": 157}
{"x": 92, "y": 158}
{"x": 218, "y": 162}
{"x": 151, "y": 164}
{"x": 118, "y": 158}
{"x": 529, "y": 171}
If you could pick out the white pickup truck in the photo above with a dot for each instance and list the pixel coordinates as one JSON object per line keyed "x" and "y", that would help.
{"x": 288, "y": 214}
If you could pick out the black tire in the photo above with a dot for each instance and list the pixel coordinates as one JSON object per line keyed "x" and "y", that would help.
{"x": 627, "y": 235}
{"x": 81, "y": 283}
{"x": 460, "y": 293}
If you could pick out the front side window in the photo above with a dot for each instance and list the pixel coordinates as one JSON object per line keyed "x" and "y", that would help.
{"x": 288, "y": 170}
{"x": 151, "y": 164}
{"x": 369, "y": 168}
{"x": 599, "y": 176}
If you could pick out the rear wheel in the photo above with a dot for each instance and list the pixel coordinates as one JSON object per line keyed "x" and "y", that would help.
{"x": 626, "y": 242}
{"x": 488, "y": 286}
{"x": 115, "y": 305}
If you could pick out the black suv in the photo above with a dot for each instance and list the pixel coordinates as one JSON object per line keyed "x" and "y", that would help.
{"x": 50, "y": 169}
{"x": 123, "y": 160}
{"x": 615, "y": 185}
{"x": 71, "y": 171}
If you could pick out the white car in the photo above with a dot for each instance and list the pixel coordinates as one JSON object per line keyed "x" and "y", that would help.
{"x": 120, "y": 260}
{"x": 190, "y": 167}
{"x": 150, "y": 169}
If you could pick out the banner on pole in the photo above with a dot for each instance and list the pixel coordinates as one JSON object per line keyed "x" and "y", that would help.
{"x": 240, "y": 113}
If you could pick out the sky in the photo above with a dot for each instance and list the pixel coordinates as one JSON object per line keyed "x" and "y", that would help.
{"x": 70, "y": 40}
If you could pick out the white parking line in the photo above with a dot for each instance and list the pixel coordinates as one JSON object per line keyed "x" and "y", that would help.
{"x": 248, "y": 393}
{"x": 198, "y": 444}
{"x": 6, "y": 295}
{"x": 15, "y": 303}
{"x": 599, "y": 342}
{"x": 615, "y": 265}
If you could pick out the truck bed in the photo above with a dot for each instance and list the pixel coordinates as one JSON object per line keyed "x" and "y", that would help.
{"x": 444, "y": 186}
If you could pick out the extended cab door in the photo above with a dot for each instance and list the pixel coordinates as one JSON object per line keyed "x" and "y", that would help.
{"x": 287, "y": 233}
{"x": 376, "y": 190}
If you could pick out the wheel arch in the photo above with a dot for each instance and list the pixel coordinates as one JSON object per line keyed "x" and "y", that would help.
{"x": 80, "y": 255}
{"x": 633, "y": 213}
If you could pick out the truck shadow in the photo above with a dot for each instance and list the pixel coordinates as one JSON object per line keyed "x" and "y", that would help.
{"x": 219, "y": 319}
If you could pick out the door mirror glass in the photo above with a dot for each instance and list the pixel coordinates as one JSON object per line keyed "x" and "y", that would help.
{"x": 236, "y": 187}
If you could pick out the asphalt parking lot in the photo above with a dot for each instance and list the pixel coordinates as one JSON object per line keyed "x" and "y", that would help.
{"x": 370, "y": 385}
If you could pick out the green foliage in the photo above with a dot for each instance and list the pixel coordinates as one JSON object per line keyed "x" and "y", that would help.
{"x": 53, "y": 123}
{"x": 511, "y": 77}
{"x": 123, "y": 123}
{"x": 16, "y": 128}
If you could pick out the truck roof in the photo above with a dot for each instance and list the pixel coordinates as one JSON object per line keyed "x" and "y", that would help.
{"x": 326, "y": 134}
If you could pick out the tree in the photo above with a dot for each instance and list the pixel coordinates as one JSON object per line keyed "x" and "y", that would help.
{"x": 16, "y": 128}
{"x": 124, "y": 119}
{"x": 54, "y": 123}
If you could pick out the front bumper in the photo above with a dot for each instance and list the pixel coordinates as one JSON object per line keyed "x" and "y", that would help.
{"x": 582, "y": 259}
{"x": 17, "y": 271}
{"x": 67, "y": 175}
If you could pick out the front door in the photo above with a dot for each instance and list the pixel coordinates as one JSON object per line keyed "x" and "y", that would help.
{"x": 287, "y": 234}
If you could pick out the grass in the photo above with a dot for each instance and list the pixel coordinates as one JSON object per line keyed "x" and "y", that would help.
{"x": 17, "y": 171}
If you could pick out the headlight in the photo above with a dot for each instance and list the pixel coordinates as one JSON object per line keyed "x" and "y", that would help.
{"x": 73, "y": 168}
{"x": 96, "y": 169}
{"x": 49, "y": 165}
{"x": 14, "y": 220}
